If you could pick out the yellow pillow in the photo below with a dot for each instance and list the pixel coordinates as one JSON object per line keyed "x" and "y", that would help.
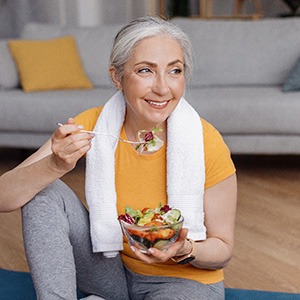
{"x": 49, "y": 64}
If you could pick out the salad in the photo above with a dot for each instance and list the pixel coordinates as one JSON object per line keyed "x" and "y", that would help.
{"x": 149, "y": 141}
{"x": 146, "y": 228}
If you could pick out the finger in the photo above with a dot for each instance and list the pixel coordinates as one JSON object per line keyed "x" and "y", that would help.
{"x": 65, "y": 130}
{"x": 73, "y": 129}
{"x": 66, "y": 159}
{"x": 70, "y": 121}
{"x": 173, "y": 249}
{"x": 182, "y": 235}
{"x": 77, "y": 141}
{"x": 76, "y": 155}
{"x": 138, "y": 253}
{"x": 144, "y": 257}
{"x": 70, "y": 144}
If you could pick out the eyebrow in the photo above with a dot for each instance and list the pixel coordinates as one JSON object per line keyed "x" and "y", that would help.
{"x": 154, "y": 64}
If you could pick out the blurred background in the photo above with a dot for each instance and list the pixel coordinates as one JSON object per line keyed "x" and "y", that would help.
{"x": 15, "y": 13}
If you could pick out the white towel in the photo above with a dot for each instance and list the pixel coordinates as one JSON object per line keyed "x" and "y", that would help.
{"x": 186, "y": 168}
{"x": 185, "y": 173}
{"x": 100, "y": 189}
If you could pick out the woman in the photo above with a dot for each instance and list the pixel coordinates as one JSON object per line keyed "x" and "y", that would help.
{"x": 150, "y": 61}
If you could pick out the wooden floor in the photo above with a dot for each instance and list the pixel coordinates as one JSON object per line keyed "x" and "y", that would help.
{"x": 267, "y": 250}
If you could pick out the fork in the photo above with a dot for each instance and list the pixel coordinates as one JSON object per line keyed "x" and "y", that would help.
{"x": 107, "y": 134}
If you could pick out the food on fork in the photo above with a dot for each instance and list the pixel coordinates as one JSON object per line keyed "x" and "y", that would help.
{"x": 149, "y": 141}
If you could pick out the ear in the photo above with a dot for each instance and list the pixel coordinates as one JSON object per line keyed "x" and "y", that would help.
{"x": 115, "y": 78}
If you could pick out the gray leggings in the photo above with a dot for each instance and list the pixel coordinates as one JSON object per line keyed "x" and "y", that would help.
{"x": 59, "y": 253}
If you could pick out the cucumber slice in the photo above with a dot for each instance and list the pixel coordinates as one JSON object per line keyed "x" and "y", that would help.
{"x": 172, "y": 216}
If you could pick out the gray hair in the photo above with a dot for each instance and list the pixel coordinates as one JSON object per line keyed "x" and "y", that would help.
{"x": 137, "y": 30}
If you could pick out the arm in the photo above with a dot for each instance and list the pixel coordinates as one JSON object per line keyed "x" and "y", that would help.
{"x": 216, "y": 251}
{"x": 220, "y": 209}
{"x": 55, "y": 158}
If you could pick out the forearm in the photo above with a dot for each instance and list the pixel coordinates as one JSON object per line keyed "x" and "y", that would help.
{"x": 220, "y": 208}
{"x": 212, "y": 253}
{"x": 21, "y": 184}
{"x": 54, "y": 159}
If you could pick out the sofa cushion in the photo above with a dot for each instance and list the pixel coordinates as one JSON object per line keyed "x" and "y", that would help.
{"x": 49, "y": 64}
{"x": 238, "y": 52}
{"x": 39, "y": 112}
{"x": 8, "y": 72}
{"x": 94, "y": 45}
{"x": 248, "y": 110}
{"x": 293, "y": 81}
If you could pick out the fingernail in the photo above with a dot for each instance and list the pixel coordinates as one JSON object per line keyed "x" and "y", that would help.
{"x": 80, "y": 127}
{"x": 151, "y": 250}
{"x": 132, "y": 248}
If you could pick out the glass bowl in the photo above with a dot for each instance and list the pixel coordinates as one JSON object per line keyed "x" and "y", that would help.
{"x": 145, "y": 237}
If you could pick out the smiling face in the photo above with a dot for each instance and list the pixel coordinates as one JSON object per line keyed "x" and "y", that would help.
{"x": 152, "y": 82}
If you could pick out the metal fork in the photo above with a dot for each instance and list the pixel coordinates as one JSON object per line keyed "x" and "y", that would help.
{"x": 107, "y": 134}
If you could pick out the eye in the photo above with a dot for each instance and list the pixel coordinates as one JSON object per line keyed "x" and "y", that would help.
{"x": 176, "y": 71}
{"x": 144, "y": 70}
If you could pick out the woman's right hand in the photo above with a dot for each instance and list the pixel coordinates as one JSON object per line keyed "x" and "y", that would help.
{"x": 54, "y": 159}
{"x": 68, "y": 146}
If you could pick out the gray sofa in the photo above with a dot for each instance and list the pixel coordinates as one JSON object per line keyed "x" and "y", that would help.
{"x": 240, "y": 68}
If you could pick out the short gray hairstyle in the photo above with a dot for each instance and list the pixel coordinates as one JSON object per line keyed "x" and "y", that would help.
{"x": 137, "y": 30}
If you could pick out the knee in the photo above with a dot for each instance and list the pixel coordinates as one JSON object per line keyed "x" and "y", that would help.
{"x": 48, "y": 208}
{"x": 50, "y": 198}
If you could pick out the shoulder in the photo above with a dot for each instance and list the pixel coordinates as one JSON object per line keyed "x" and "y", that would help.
{"x": 208, "y": 128}
{"x": 212, "y": 137}
{"x": 218, "y": 162}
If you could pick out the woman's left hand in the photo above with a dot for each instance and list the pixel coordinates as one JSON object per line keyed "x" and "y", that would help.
{"x": 155, "y": 256}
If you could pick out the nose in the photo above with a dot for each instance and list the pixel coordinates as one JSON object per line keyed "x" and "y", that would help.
{"x": 160, "y": 84}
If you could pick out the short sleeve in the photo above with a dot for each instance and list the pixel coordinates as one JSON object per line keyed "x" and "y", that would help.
{"x": 218, "y": 162}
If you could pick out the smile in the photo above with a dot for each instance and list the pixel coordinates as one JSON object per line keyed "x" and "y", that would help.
{"x": 157, "y": 104}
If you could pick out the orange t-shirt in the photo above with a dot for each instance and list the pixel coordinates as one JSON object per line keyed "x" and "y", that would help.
{"x": 141, "y": 182}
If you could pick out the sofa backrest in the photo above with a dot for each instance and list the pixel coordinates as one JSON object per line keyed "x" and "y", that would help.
{"x": 94, "y": 45}
{"x": 227, "y": 52}
{"x": 237, "y": 52}
{"x": 8, "y": 71}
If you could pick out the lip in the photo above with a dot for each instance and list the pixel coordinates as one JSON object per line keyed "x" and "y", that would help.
{"x": 158, "y": 104}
